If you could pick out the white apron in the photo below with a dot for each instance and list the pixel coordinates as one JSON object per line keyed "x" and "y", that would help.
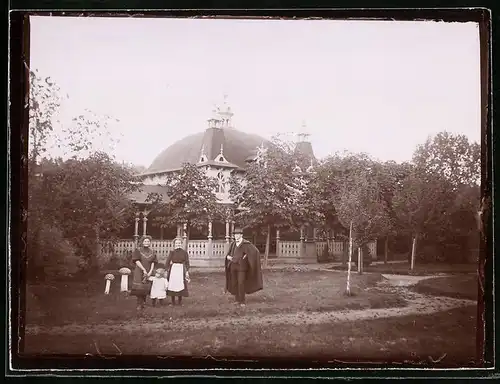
{"x": 176, "y": 280}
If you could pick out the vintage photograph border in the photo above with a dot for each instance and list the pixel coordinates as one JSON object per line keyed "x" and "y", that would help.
{"x": 17, "y": 195}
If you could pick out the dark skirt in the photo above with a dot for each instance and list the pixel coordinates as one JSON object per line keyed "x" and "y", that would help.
{"x": 140, "y": 286}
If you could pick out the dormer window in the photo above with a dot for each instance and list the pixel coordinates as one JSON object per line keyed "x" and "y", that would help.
{"x": 220, "y": 157}
{"x": 203, "y": 156}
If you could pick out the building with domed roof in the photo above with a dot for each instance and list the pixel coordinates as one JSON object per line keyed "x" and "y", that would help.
{"x": 221, "y": 150}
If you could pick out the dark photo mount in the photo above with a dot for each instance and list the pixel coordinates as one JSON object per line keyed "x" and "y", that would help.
{"x": 39, "y": 364}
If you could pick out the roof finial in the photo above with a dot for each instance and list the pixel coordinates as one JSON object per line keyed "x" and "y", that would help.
{"x": 224, "y": 113}
{"x": 222, "y": 149}
{"x": 303, "y": 135}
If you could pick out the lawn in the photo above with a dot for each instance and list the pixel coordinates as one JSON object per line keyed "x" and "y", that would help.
{"x": 284, "y": 291}
{"x": 419, "y": 269}
{"x": 289, "y": 319}
{"x": 458, "y": 286}
{"x": 447, "y": 335}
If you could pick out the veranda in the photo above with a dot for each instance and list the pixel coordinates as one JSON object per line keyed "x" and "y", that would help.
{"x": 208, "y": 247}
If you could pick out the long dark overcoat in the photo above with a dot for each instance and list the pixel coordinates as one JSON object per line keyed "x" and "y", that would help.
{"x": 253, "y": 281}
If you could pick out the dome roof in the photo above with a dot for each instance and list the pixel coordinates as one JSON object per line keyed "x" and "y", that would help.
{"x": 236, "y": 146}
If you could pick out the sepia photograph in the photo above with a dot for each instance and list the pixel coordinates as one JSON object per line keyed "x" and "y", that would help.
{"x": 252, "y": 189}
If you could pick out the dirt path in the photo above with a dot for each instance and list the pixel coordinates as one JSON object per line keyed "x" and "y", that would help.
{"x": 418, "y": 304}
{"x": 407, "y": 281}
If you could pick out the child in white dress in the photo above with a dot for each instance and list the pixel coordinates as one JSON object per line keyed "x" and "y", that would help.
{"x": 159, "y": 287}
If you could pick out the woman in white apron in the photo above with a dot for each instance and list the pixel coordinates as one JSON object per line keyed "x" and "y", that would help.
{"x": 178, "y": 275}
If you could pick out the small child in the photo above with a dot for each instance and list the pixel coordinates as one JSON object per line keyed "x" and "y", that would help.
{"x": 159, "y": 287}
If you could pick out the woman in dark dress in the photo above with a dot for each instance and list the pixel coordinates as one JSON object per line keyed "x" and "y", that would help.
{"x": 178, "y": 276}
{"x": 144, "y": 259}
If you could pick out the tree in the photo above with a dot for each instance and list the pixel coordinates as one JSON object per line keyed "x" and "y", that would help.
{"x": 356, "y": 196}
{"x": 191, "y": 197}
{"x": 390, "y": 177}
{"x": 86, "y": 134}
{"x": 269, "y": 192}
{"x": 55, "y": 186}
{"x": 440, "y": 196}
{"x": 452, "y": 157}
{"x": 423, "y": 205}
{"x": 44, "y": 103}
{"x": 457, "y": 160}
{"x": 319, "y": 198}
{"x": 92, "y": 202}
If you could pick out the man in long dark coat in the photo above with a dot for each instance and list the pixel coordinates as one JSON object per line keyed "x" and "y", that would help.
{"x": 243, "y": 269}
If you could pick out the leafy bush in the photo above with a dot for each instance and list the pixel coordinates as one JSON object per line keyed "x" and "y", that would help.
{"x": 109, "y": 259}
{"x": 56, "y": 256}
{"x": 324, "y": 256}
{"x": 366, "y": 253}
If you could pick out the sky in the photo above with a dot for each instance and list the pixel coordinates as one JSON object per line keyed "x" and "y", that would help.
{"x": 379, "y": 87}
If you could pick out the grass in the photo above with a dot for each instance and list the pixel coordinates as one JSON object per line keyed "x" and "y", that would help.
{"x": 458, "y": 286}
{"x": 77, "y": 318}
{"x": 419, "y": 269}
{"x": 284, "y": 292}
{"x": 449, "y": 336}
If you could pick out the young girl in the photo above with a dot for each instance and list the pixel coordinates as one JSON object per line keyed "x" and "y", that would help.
{"x": 158, "y": 287}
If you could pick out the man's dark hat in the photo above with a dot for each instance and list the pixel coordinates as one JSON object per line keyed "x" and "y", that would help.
{"x": 238, "y": 229}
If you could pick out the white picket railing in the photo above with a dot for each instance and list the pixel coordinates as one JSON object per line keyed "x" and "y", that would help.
{"x": 197, "y": 249}
{"x": 292, "y": 248}
{"x": 289, "y": 248}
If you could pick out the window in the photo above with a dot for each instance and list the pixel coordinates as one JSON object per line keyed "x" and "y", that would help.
{"x": 221, "y": 180}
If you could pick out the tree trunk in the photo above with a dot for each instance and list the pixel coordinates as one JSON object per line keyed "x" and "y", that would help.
{"x": 360, "y": 261}
{"x": 413, "y": 252}
{"x": 188, "y": 233}
{"x": 95, "y": 256}
{"x": 345, "y": 252}
{"x": 268, "y": 240}
{"x": 411, "y": 247}
{"x": 348, "y": 288}
{"x": 386, "y": 250}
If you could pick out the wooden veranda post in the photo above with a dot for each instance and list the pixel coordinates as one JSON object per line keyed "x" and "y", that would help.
{"x": 185, "y": 236}
{"x": 277, "y": 242}
{"x": 136, "y": 228}
{"x": 209, "y": 252}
